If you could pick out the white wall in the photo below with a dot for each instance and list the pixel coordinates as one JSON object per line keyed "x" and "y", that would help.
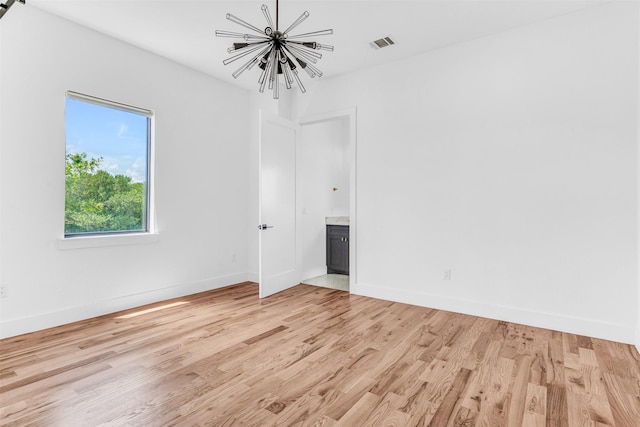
{"x": 638, "y": 186}
{"x": 510, "y": 160}
{"x": 323, "y": 165}
{"x": 201, "y": 179}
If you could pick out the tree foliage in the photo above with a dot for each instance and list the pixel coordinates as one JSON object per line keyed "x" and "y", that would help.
{"x": 97, "y": 201}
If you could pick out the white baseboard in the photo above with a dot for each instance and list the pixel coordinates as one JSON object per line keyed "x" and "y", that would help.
{"x": 638, "y": 338}
{"x": 587, "y": 327}
{"x": 575, "y": 325}
{"x": 25, "y": 325}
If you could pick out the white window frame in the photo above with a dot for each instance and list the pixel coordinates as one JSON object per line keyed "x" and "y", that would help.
{"x": 80, "y": 241}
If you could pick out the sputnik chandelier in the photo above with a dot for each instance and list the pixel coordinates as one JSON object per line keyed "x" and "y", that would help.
{"x": 276, "y": 52}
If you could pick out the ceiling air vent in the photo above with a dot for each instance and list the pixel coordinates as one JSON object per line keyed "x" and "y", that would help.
{"x": 384, "y": 42}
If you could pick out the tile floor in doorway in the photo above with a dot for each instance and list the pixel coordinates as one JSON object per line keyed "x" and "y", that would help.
{"x": 333, "y": 281}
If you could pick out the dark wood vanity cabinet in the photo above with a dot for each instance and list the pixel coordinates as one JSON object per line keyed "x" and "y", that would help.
{"x": 337, "y": 249}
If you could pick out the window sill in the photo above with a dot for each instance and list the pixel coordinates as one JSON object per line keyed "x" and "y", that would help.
{"x": 101, "y": 241}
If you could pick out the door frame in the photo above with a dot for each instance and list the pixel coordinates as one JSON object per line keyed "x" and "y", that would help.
{"x": 351, "y": 115}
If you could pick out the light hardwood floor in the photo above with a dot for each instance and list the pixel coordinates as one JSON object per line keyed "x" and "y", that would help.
{"x": 312, "y": 356}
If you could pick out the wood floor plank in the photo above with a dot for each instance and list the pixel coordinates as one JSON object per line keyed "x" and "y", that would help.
{"x": 384, "y": 411}
{"x": 625, "y": 411}
{"x": 557, "y": 409}
{"x": 535, "y": 406}
{"x": 494, "y": 406}
{"x": 360, "y": 410}
{"x": 452, "y": 400}
{"x": 312, "y": 356}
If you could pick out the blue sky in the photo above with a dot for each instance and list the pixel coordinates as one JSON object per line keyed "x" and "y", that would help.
{"x": 119, "y": 137}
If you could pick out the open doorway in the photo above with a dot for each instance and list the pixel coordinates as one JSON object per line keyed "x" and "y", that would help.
{"x": 327, "y": 179}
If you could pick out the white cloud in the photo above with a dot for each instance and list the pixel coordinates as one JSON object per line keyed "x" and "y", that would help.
{"x": 137, "y": 170}
{"x": 123, "y": 130}
{"x": 110, "y": 165}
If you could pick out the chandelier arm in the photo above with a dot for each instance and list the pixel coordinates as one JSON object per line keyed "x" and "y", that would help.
{"x": 305, "y": 47}
{"x": 249, "y": 64}
{"x": 300, "y": 85}
{"x": 314, "y": 70}
{"x": 327, "y": 32}
{"x": 275, "y": 75}
{"x": 262, "y": 74}
{"x": 297, "y": 22}
{"x": 264, "y": 77}
{"x": 287, "y": 75}
{"x": 289, "y": 67}
{"x": 290, "y": 59}
{"x": 299, "y": 59}
{"x": 237, "y": 47}
{"x": 254, "y": 37}
{"x": 263, "y": 67}
{"x": 223, "y": 33}
{"x": 240, "y": 55}
{"x": 276, "y": 84}
{"x": 272, "y": 70}
{"x": 326, "y": 47}
{"x": 301, "y": 54}
{"x": 267, "y": 15}
{"x": 265, "y": 72}
{"x": 4, "y": 7}
{"x": 281, "y": 62}
{"x": 305, "y": 64}
{"x": 245, "y": 24}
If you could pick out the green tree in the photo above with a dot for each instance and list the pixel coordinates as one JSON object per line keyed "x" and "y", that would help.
{"x": 78, "y": 164}
{"x": 97, "y": 201}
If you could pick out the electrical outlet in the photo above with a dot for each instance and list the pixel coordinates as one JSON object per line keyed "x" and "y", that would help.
{"x": 4, "y": 292}
{"x": 446, "y": 275}
{"x": 233, "y": 257}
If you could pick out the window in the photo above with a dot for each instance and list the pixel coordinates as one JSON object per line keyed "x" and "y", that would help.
{"x": 106, "y": 167}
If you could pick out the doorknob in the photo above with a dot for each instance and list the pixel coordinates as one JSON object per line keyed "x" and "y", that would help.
{"x": 264, "y": 226}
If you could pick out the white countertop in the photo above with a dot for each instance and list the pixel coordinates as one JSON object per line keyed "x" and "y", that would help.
{"x": 337, "y": 220}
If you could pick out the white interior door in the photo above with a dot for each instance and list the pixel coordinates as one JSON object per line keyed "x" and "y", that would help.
{"x": 279, "y": 242}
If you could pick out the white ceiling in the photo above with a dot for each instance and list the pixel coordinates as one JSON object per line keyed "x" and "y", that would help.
{"x": 183, "y": 30}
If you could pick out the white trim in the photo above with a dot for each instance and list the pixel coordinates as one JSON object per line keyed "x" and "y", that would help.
{"x": 638, "y": 202}
{"x": 25, "y": 325}
{"x": 101, "y": 240}
{"x": 325, "y": 117}
{"x": 105, "y": 102}
{"x": 352, "y": 115}
{"x": 575, "y": 325}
